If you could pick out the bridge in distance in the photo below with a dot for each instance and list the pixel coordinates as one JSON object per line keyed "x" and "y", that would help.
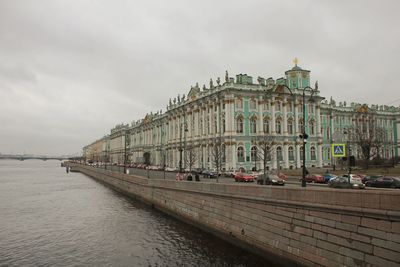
{"x": 26, "y": 157}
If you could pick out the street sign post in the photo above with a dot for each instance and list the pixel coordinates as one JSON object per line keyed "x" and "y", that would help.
{"x": 338, "y": 150}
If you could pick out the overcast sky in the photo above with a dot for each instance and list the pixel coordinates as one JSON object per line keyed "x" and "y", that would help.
{"x": 71, "y": 70}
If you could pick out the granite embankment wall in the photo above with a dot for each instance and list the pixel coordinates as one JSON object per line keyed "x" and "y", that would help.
{"x": 294, "y": 226}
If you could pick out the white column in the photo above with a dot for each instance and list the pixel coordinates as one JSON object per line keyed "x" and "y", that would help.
{"x": 260, "y": 116}
{"x": 286, "y": 156}
{"x": 274, "y": 159}
{"x": 284, "y": 110}
{"x": 318, "y": 111}
{"x": 319, "y": 147}
{"x": 272, "y": 117}
{"x": 233, "y": 156}
{"x": 298, "y": 160}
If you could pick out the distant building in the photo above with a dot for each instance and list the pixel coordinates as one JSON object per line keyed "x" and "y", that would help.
{"x": 239, "y": 123}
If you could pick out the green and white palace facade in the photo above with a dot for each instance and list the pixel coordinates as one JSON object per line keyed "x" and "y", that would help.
{"x": 241, "y": 116}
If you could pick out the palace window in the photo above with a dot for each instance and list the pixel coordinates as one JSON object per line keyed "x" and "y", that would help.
{"x": 253, "y": 104}
{"x": 266, "y": 125}
{"x": 301, "y": 126}
{"x": 239, "y": 103}
{"x": 312, "y": 153}
{"x": 253, "y": 125}
{"x": 310, "y": 108}
{"x": 278, "y": 126}
{"x": 253, "y": 153}
{"x": 290, "y": 126}
{"x": 279, "y": 155}
{"x": 215, "y": 124}
{"x": 240, "y": 154}
{"x": 223, "y": 148}
{"x": 277, "y": 106}
{"x": 289, "y": 107}
{"x": 291, "y": 153}
{"x": 312, "y": 127}
{"x": 268, "y": 153}
{"x": 266, "y": 105}
{"x": 223, "y": 125}
{"x": 301, "y": 153}
{"x": 239, "y": 125}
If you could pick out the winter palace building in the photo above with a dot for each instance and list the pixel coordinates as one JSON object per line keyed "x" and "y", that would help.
{"x": 242, "y": 123}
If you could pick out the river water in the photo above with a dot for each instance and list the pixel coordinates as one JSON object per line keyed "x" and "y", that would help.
{"x": 51, "y": 218}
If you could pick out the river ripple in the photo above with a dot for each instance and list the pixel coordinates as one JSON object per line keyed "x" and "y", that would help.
{"x": 51, "y": 218}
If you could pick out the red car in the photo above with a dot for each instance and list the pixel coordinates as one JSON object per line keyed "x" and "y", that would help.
{"x": 314, "y": 178}
{"x": 244, "y": 177}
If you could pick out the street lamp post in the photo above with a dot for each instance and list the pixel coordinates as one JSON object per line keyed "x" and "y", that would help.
{"x": 180, "y": 145}
{"x": 125, "y": 154}
{"x": 303, "y": 135}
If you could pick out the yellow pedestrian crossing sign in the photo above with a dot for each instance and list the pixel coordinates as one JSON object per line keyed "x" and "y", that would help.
{"x": 338, "y": 150}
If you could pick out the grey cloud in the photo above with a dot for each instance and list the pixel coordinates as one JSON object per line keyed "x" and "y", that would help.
{"x": 69, "y": 71}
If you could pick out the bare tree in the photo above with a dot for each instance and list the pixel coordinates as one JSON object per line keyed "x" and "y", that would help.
{"x": 368, "y": 141}
{"x": 216, "y": 153}
{"x": 266, "y": 145}
{"x": 191, "y": 157}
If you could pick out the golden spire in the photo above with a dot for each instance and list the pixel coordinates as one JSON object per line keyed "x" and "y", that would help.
{"x": 295, "y": 61}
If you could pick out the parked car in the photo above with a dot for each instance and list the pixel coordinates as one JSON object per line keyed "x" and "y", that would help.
{"x": 234, "y": 172}
{"x": 388, "y": 182}
{"x": 171, "y": 169}
{"x": 180, "y": 176}
{"x": 370, "y": 178}
{"x": 282, "y": 175}
{"x": 343, "y": 182}
{"x": 209, "y": 174}
{"x": 314, "y": 178}
{"x": 270, "y": 179}
{"x": 328, "y": 176}
{"x": 244, "y": 177}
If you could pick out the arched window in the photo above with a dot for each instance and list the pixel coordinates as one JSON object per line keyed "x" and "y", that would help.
{"x": 240, "y": 154}
{"x": 266, "y": 125}
{"x": 301, "y": 126}
{"x": 253, "y": 153}
{"x": 253, "y": 125}
{"x": 312, "y": 153}
{"x": 239, "y": 125}
{"x": 311, "y": 125}
{"x": 278, "y": 126}
{"x": 290, "y": 126}
{"x": 223, "y": 125}
{"x": 279, "y": 155}
{"x": 301, "y": 153}
{"x": 291, "y": 154}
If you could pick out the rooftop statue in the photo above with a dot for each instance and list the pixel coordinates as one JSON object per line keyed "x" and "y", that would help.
{"x": 218, "y": 81}
{"x": 179, "y": 98}
{"x": 316, "y": 85}
{"x": 204, "y": 87}
{"x": 211, "y": 84}
{"x": 174, "y": 100}
{"x": 226, "y": 76}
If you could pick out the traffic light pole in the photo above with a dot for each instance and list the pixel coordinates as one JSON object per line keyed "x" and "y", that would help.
{"x": 304, "y": 136}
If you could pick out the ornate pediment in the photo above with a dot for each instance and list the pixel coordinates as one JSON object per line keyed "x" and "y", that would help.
{"x": 193, "y": 93}
{"x": 363, "y": 109}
